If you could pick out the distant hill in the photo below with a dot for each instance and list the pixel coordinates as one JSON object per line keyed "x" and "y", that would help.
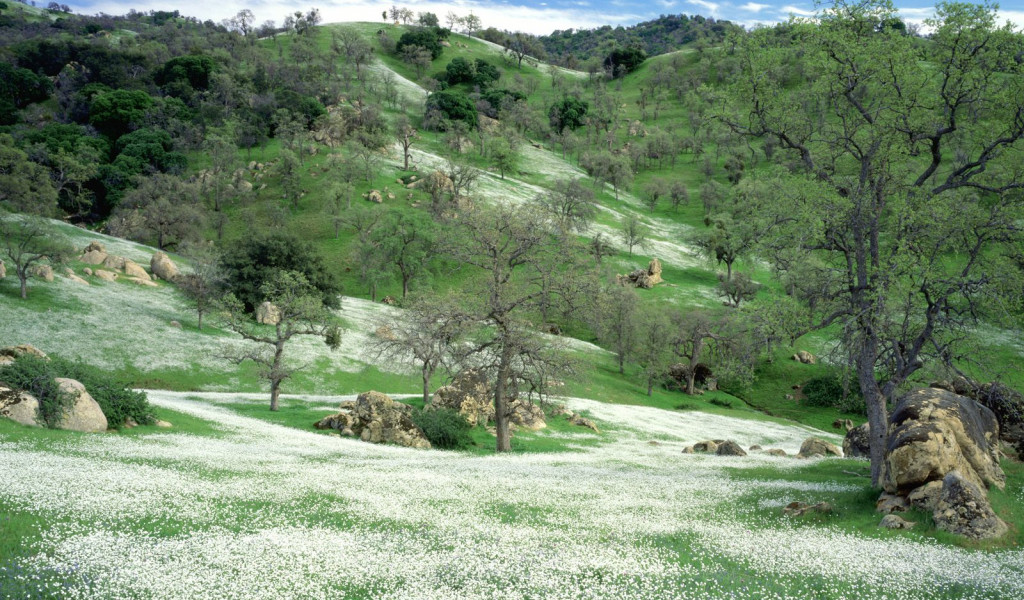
{"x": 575, "y": 47}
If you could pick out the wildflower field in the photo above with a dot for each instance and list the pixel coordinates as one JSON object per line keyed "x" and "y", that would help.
{"x": 229, "y": 506}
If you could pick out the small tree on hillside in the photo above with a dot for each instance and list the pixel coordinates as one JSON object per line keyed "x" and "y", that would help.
{"x": 426, "y": 334}
{"x": 633, "y": 233}
{"x": 301, "y": 312}
{"x": 204, "y": 285}
{"x": 28, "y": 241}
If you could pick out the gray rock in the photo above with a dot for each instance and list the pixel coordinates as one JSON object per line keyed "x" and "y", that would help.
{"x": 964, "y": 509}
{"x": 818, "y": 447}
{"x": 896, "y": 522}
{"x": 730, "y": 448}
{"x": 857, "y": 443}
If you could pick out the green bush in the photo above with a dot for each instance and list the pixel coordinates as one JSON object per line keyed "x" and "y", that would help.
{"x": 36, "y": 376}
{"x": 721, "y": 402}
{"x": 828, "y": 391}
{"x": 445, "y": 428}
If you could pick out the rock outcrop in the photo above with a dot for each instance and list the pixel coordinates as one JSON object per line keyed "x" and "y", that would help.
{"x": 22, "y": 349}
{"x": 19, "y": 407}
{"x": 44, "y": 272}
{"x": 84, "y": 414}
{"x": 963, "y": 509}
{"x": 643, "y": 278}
{"x": 896, "y": 522}
{"x": 163, "y": 267}
{"x": 818, "y": 447}
{"x": 941, "y": 454}
{"x": 857, "y": 443}
{"x": 525, "y": 414}
{"x": 469, "y": 394}
{"x": 108, "y": 276}
{"x": 376, "y": 418}
{"x": 268, "y": 314}
{"x": 933, "y": 432}
{"x": 133, "y": 269}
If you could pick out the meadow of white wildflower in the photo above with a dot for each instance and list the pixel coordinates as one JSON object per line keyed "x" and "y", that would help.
{"x": 258, "y": 510}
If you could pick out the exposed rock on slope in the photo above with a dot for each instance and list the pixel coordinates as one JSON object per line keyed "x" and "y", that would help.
{"x": 84, "y": 414}
{"x": 19, "y": 407}
{"x": 376, "y": 418}
{"x": 468, "y": 394}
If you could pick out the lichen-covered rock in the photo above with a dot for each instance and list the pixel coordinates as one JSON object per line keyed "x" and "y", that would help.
{"x": 857, "y": 443}
{"x": 927, "y": 496}
{"x": 730, "y": 448}
{"x": 933, "y": 432}
{"x": 818, "y": 447}
{"x": 580, "y": 421}
{"x": 709, "y": 446}
{"x": 19, "y": 407}
{"x": 108, "y": 276}
{"x": 805, "y": 357}
{"x": 376, "y": 418}
{"x": 963, "y": 509}
{"x": 94, "y": 254}
{"x": 469, "y": 394}
{"x": 114, "y": 262}
{"x": 889, "y": 503}
{"x": 163, "y": 267}
{"x": 84, "y": 413}
{"x": 643, "y": 278}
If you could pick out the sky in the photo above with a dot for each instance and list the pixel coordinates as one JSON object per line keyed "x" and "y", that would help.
{"x": 533, "y": 16}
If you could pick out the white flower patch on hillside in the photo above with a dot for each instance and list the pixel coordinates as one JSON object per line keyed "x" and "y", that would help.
{"x": 410, "y": 90}
{"x": 264, "y": 511}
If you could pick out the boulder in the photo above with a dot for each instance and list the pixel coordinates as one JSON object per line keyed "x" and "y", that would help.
{"x": 776, "y": 452}
{"x": 857, "y": 443}
{"x": 268, "y": 314}
{"x": 133, "y": 269}
{"x": 87, "y": 271}
{"x": 818, "y": 447}
{"x": 163, "y": 267}
{"x": 642, "y": 278}
{"x": 71, "y": 275}
{"x": 963, "y": 509}
{"x": 22, "y": 349}
{"x": 754, "y": 448}
{"x": 805, "y": 357}
{"x": 525, "y": 414}
{"x": 114, "y": 262}
{"x": 84, "y": 414}
{"x": 95, "y": 247}
{"x": 469, "y": 394}
{"x": 175, "y": 324}
{"x": 933, "y": 432}
{"x": 3, "y": 270}
{"x": 375, "y": 196}
{"x": 1007, "y": 405}
{"x": 896, "y": 522}
{"x": 730, "y": 448}
{"x": 19, "y": 407}
{"x": 927, "y": 496}
{"x": 709, "y": 446}
{"x": 844, "y": 424}
{"x": 105, "y": 275}
{"x": 94, "y": 256}
{"x": 44, "y": 272}
{"x": 654, "y": 271}
{"x": 376, "y": 418}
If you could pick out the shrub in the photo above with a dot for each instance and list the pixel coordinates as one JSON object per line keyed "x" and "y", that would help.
{"x": 721, "y": 402}
{"x": 425, "y": 37}
{"x": 445, "y": 428}
{"x": 829, "y": 391}
{"x": 454, "y": 105}
{"x": 36, "y": 376}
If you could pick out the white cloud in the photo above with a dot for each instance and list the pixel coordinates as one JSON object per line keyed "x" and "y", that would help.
{"x": 754, "y": 7}
{"x": 711, "y": 7}
{"x": 789, "y": 9}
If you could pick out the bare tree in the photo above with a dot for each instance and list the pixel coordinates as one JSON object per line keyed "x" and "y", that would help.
{"x": 300, "y": 311}
{"x": 426, "y": 334}
{"x": 633, "y": 233}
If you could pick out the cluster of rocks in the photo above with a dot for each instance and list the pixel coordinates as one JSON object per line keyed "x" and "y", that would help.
{"x": 575, "y": 418}
{"x": 941, "y": 454}
{"x": 377, "y": 196}
{"x": 110, "y": 267}
{"x": 376, "y": 418}
{"x": 812, "y": 447}
{"x": 470, "y": 395}
{"x": 642, "y": 278}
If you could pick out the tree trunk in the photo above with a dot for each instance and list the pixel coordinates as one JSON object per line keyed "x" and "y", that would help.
{"x": 878, "y": 419}
{"x": 690, "y": 388}
{"x": 275, "y": 392}
{"x": 275, "y": 371}
{"x": 426, "y": 385}
{"x": 23, "y": 278}
{"x": 504, "y": 443}
{"x": 650, "y": 387}
{"x": 405, "y": 285}
{"x": 200, "y": 319}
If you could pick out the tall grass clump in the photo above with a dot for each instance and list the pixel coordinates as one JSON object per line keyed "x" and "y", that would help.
{"x": 116, "y": 399}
